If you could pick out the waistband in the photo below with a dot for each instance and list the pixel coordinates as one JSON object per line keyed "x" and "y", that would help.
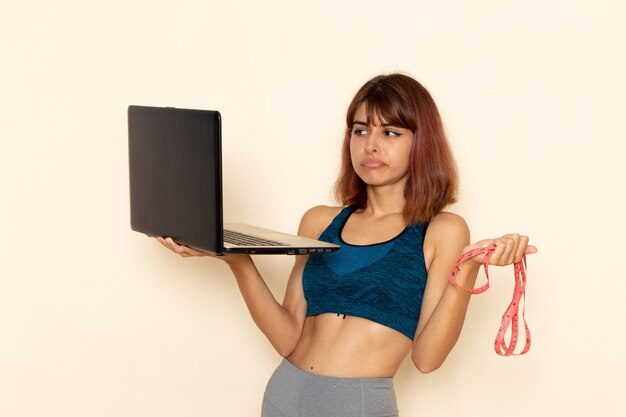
{"x": 296, "y": 372}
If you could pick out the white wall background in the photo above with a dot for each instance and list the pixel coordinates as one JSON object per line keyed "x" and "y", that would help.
{"x": 96, "y": 320}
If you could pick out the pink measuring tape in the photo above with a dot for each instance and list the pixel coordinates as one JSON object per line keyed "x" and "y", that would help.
{"x": 509, "y": 318}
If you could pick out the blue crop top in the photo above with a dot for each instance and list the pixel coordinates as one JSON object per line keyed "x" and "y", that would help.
{"x": 383, "y": 282}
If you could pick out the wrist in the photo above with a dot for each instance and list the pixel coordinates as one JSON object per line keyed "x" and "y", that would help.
{"x": 238, "y": 263}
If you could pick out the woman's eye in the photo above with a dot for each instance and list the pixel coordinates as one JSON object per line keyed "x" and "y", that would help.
{"x": 359, "y": 132}
{"x": 392, "y": 134}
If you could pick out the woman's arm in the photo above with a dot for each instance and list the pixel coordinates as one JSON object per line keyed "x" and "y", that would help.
{"x": 444, "y": 306}
{"x": 281, "y": 324}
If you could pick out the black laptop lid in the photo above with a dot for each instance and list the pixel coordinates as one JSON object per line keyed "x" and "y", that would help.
{"x": 175, "y": 175}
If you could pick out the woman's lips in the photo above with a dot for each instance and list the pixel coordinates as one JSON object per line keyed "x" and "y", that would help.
{"x": 372, "y": 163}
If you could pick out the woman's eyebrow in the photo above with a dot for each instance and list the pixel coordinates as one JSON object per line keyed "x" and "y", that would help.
{"x": 358, "y": 122}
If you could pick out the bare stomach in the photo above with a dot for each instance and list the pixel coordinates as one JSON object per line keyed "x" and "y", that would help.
{"x": 352, "y": 347}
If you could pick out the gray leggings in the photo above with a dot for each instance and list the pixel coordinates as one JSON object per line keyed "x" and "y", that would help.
{"x": 292, "y": 392}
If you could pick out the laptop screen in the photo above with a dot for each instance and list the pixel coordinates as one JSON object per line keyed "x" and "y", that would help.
{"x": 175, "y": 174}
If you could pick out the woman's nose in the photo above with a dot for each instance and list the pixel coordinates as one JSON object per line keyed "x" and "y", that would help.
{"x": 372, "y": 145}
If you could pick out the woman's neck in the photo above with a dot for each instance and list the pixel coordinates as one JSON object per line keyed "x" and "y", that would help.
{"x": 385, "y": 200}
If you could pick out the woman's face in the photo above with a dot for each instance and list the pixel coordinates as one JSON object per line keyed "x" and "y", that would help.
{"x": 379, "y": 151}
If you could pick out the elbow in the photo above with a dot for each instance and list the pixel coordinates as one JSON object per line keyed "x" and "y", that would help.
{"x": 426, "y": 366}
{"x": 285, "y": 340}
{"x": 284, "y": 350}
{"x": 286, "y": 346}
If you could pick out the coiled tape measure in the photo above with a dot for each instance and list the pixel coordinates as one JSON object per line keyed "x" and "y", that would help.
{"x": 510, "y": 316}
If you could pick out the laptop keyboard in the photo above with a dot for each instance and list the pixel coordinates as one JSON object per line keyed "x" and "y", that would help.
{"x": 241, "y": 239}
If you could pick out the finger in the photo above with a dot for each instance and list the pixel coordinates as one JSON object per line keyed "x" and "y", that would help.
{"x": 173, "y": 246}
{"x": 180, "y": 249}
{"x": 167, "y": 242}
{"x": 190, "y": 251}
{"x": 195, "y": 252}
{"x": 187, "y": 250}
{"x": 504, "y": 255}
{"x": 498, "y": 252}
{"x": 164, "y": 243}
{"x": 521, "y": 248}
{"x": 530, "y": 249}
{"x": 513, "y": 242}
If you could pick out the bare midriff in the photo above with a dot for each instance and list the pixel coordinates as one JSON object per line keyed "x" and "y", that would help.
{"x": 353, "y": 347}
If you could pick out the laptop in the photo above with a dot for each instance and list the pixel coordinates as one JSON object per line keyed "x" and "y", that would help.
{"x": 175, "y": 164}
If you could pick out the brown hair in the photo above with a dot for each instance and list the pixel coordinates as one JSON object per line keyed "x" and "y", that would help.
{"x": 433, "y": 179}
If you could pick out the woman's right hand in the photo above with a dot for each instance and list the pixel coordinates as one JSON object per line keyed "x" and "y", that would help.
{"x": 186, "y": 251}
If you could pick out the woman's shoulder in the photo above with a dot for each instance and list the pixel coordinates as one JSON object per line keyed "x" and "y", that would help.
{"x": 446, "y": 226}
{"x": 447, "y": 219}
{"x": 316, "y": 219}
{"x": 446, "y": 234}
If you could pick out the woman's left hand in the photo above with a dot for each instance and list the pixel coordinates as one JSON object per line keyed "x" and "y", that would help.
{"x": 509, "y": 249}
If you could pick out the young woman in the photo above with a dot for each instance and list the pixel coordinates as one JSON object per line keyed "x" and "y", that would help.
{"x": 349, "y": 318}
